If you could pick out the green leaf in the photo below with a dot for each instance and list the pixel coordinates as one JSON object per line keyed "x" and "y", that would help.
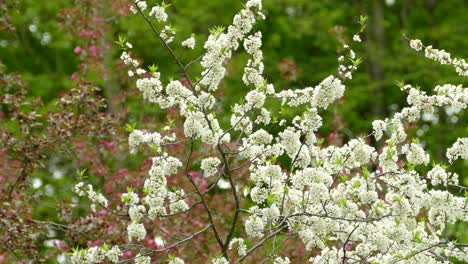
{"x": 121, "y": 42}
{"x": 130, "y": 127}
{"x": 165, "y": 5}
{"x": 153, "y": 68}
{"x": 216, "y": 30}
{"x": 365, "y": 172}
{"x": 81, "y": 173}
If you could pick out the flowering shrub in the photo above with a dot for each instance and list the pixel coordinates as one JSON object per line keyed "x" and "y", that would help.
{"x": 346, "y": 203}
{"x": 256, "y": 184}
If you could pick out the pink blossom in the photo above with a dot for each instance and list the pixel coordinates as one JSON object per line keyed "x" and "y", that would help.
{"x": 77, "y": 50}
{"x": 94, "y": 50}
{"x": 103, "y": 213}
{"x": 74, "y": 76}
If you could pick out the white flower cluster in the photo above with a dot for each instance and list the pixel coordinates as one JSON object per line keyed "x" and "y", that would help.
{"x": 127, "y": 60}
{"x": 210, "y": 166}
{"x": 280, "y": 260}
{"x": 254, "y": 226}
{"x": 93, "y": 196}
{"x": 357, "y": 38}
{"x": 441, "y": 56}
{"x": 138, "y": 137}
{"x": 219, "y": 46}
{"x": 359, "y": 153}
{"x": 241, "y": 247}
{"x": 141, "y": 4}
{"x": 254, "y": 69}
{"x": 329, "y": 90}
{"x": 176, "y": 260}
{"x": 379, "y": 128}
{"x": 189, "y": 43}
{"x": 415, "y": 154}
{"x": 139, "y": 259}
{"x": 156, "y": 185}
{"x": 167, "y": 34}
{"x": 204, "y": 127}
{"x": 416, "y": 44}
{"x": 458, "y": 150}
{"x": 326, "y": 194}
{"x": 344, "y": 70}
{"x": 439, "y": 176}
{"x": 136, "y": 231}
{"x": 130, "y": 198}
{"x": 221, "y": 260}
{"x": 267, "y": 180}
{"x": 159, "y": 13}
{"x": 96, "y": 255}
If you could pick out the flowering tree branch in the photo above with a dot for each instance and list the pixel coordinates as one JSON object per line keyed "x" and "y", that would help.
{"x": 344, "y": 202}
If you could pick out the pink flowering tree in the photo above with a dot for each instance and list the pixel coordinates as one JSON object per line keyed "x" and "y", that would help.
{"x": 250, "y": 186}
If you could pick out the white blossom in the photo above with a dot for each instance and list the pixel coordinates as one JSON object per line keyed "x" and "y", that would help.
{"x": 136, "y": 231}
{"x": 416, "y": 44}
{"x": 141, "y": 5}
{"x": 159, "y": 13}
{"x": 241, "y": 247}
{"x": 357, "y": 38}
{"x": 176, "y": 260}
{"x": 439, "y": 176}
{"x": 328, "y": 91}
{"x": 280, "y": 260}
{"x": 210, "y": 166}
{"x": 328, "y": 194}
{"x": 220, "y": 260}
{"x": 254, "y": 227}
{"x": 458, "y": 150}
{"x": 189, "y": 43}
{"x": 415, "y": 154}
{"x": 114, "y": 254}
{"x": 139, "y": 259}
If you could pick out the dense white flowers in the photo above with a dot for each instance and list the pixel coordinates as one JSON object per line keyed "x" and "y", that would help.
{"x": 167, "y": 34}
{"x": 176, "y": 261}
{"x": 328, "y": 91}
{"x": 241, "y": 247}
{"x": 388, "y": 159}
{"x": 280, "y": 260}
{"x": 415, "y": 154}
{"x": 130, "y": 198}
{"x": 210, "y": 166}
{"x": 458, "y": 150}
{"x": 114, "y": 254}
{"x": 159, "y": 13}
{"x": 189, "y": 43}
{"x": 416, "y": 44}
{"x": 255, "y": 98}
{"x": 136, "y": 231}
{"x": 346, "y": 202}
{"x": 96, "y": 255}
{"x": 219, "y": 46}
{"x": 379, "y": 127}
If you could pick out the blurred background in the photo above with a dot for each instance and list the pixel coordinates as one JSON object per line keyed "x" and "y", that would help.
{"x": 57, "y": 45}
